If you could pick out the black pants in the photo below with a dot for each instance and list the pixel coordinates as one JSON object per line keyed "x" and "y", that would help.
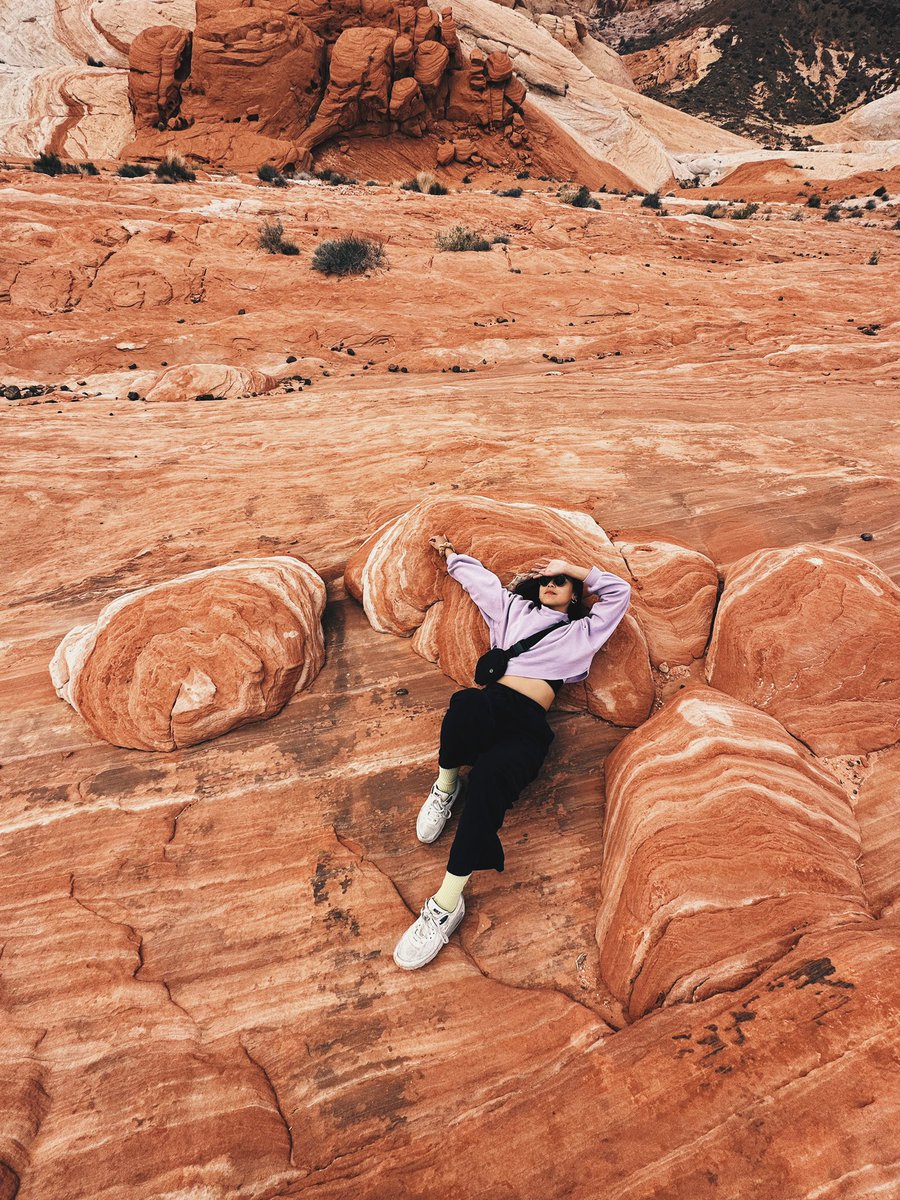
{"x": 505, "y": 737}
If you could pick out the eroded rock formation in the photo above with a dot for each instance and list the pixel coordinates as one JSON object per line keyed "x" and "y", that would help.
{"x": 723, "y": 837}
{"x": 291, "y": 77}
{"x": 189, "y": 659}
{"x": 812, "y": 635}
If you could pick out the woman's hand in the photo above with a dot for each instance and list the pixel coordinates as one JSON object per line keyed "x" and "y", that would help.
{"x": 441, "y": 543}
{"x": 550, "y": 566}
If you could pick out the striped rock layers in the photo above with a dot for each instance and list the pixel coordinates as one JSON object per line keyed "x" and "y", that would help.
{"x": 723, "y": 838}
{"x": 187, "y": 660}
{"x": 812, "y": 636}
{"x": 404, "y": 589}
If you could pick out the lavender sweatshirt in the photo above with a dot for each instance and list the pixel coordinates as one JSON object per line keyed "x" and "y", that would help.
{"x": 564, "y": 655}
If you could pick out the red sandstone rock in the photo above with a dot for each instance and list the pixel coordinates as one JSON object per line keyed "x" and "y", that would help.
{"x": 209, "y": 379}
{"x": 879, "y": 833}
{"x": 189, "y": 659}
{"x": 812, "y": 635}
{"x": 358, "y": 87}
{"x": 252, "y": 62}
{"x": 446, "y": 153}
{"x": 678, "y": 588}
{"x": 722, "y": 837}
{"x": 405, "y": 590}
{"x": 158, "y": 62}
{"x": 406, "y": 100}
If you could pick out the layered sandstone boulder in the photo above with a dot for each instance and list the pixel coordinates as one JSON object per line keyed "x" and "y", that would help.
{"x": 812, "y": 635}
{"x": 678, "y": 588}
{"x": 879, "y": 832}
{"x": 159, "y": 64}
{"x": 187, "y": 660}
{"x": 723, "y": 837}
{"x": 405, "y": 590}
{"x": 254, "y": 65}
{"x": 215, "y": 380}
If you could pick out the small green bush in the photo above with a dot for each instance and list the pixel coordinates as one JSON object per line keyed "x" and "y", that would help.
{"x": 578, "y": 198}
{"x": 459, "y": 238}
{"x": 48, "y": 164}
{"x": 348, "y": 256}
{"x": 88, "y": 168}
{"x": 174, "y": 169}
{"x": 833, "y": 214}
{"x": 267, "y": 174}
{"x": 870, "y": 204}
{"x": 513, "y": 192}
{"x": 744, "y": 213}
{"x": 814, "y": 202}
{"x": 651, "y": 200}
{"x": 271, "y": 239}
{"x": 132, "y": 170}
{"x": 711, "y": 210}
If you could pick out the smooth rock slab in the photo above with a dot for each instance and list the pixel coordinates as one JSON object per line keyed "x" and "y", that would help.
{"x": 723, "y": 838}
{"x": 187, "y": 660}
{"x": 812, "y": 635}
{"x": 405, "y": 589}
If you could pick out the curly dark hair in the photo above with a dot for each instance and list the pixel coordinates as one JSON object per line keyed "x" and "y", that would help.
{"x": 529, "y": 589}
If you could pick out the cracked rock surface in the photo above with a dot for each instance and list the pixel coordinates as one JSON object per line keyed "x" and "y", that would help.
{"x": 197, "y": 997}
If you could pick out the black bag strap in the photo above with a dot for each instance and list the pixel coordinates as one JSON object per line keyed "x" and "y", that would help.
{"x": 532, "y": 640}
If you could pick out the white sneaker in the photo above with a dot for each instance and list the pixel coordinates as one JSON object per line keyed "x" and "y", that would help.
{"x": 427, "y": 935}
{"x": 435, "y": 812}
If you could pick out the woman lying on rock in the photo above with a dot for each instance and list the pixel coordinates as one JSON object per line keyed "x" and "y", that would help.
{"x": 501, "y": 730}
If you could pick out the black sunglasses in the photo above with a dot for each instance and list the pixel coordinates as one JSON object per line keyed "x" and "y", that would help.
{"x": 559, "y": 580}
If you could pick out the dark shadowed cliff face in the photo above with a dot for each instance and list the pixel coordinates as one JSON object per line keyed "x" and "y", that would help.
{"x": 752, "y": 64}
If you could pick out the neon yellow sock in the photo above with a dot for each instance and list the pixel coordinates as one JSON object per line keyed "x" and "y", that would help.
{"x": 448, "y": 894}
{"x": 447, "y": 777}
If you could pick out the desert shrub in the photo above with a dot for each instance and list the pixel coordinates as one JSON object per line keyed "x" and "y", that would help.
{"x": 711, "y": 210}
{"x": 88, "y": 168}
{"x": 458, "y": 238}
{"x": 267, "y": 174}
{"x": 48, "y": 164}
{"x": 502, "y": 239}
{"x": 833, "y": 214}
{"x": 514, "y": 192}
{"x": 797, "y": 216}
{"x": 745, "y": 212}
{"x": 814, "y": 202}
{"x": 132, "y": 170}
{"x": 173, "y": 169}
{"x": 651, "y": 200}
{"x": 333, "y": 177}
{"x": 523, "y": 175}
{"x": 870, "y": 204}
{"x": 272, "y": 240}
{"x": 348, "y": 256}
{"x": 425, "y": 183}
{"x": 578, "y": 197}
{"x": 873, "y": 258}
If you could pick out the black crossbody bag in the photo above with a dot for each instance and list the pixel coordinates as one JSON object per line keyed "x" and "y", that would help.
{"x": 492, "y": 665}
